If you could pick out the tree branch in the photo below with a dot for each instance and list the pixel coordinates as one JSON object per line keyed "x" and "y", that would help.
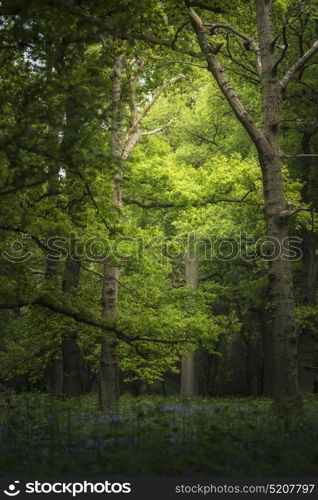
{"x": 99, "y": 275}
{"x": 37, "y": 271}
{"x": 284, "y": 51}
{"x": 84, "y": 317}
{"x": 154, "y": 100}
{"x": 156, "y": 130}
{"x": 298, "y": 65}
{"x": 250, "y": 40}
{"x": 90, "y": 194}
{"x": 217, "y": 70}
{"x": 204, "y": 139}
{"x": 212, "y": 201}
{"x": 242, "y": 75}
{"x": 24, "y": 186}
{"x": 134, "y": 134}
{"x": 107, "y": 27}
{"x": 157, "y": 41}
{"x": 15, "y": 229}
{"x": 39, "y": 353}
{"x": 301, "y": 155}
{"x": 177, "y": 33}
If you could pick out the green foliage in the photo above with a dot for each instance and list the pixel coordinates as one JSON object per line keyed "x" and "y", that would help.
{"x": 198, "y": 175}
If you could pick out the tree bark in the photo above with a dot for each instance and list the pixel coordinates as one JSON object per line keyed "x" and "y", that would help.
{"x": 54, "y": 377}
{"x": 70, "y": 349}
{"x": 306, "y": 356}
{"x": 109, "y": 363}
{"x": 54, "y": 369}
{"x": 121, "y": 147}
{"x": 280, "y": 273}
{"x": 251, "y": 367}
{"x": 306, "y": 341}
{"x": 189, "y": 382}
{"x": 266, "y": 141}
{"x": 268, "y": 355}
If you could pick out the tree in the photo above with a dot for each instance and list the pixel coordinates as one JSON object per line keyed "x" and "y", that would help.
{"x": 266, "y": 142}
{"x": 73, "y": 161}
{"x": 122, "y": 144}
{"x": 188, "y": 369}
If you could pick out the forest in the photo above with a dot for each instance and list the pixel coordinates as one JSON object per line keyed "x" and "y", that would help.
{"x": 159, "y": 237}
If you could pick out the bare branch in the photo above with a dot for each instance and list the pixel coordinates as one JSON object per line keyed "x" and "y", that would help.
{"x": 152, "y": 204}
{"x": 235, "y": 61}
{"x": 47, "y": 195}
{"x": 250, "y": 40}
{"x": 217, "y": 70}
{"x": 233, "y": 30}
{"x": 157, "y": 41}
{"x": 301, "y": 155}
{"x": 299, "y": 209}
{"x": 130, "y": 142}
{"x": 156, "y": 130}
{"x": 289, "y": 20}
{"x": 90, "y": 194}
{"x": 177, "y": 33}
{"x": 134, "y": 134}
{"x": 284, "y": 51}
{"x": 298, "y": 65}
{"x": 242, "y": 75}
{"x": 154, "y": 100}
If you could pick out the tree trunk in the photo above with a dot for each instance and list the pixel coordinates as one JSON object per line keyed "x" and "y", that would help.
{"x": 250, "y": 360}
{"x": 109, "y": 363}
{"x": 306, "y": 356}
{"x": 189, "y": 381}
{"x": 282, "y": 303}
{"x": 54, "y": 377}
{"x": 121, "y": 147}
{"x": 109, "y": 366}
{"x": 268, "y": 355}
{"x": 266, "y": 141}
{"x": 54, "y": 370}
{"x": 251, "y": 367}
{"x": 306, "y": 342}
{"x": 70, "y": 348}
{"x": 280, "y": 284}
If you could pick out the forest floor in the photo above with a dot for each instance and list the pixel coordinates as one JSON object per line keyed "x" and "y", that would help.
{"x": 152, "y": 435}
